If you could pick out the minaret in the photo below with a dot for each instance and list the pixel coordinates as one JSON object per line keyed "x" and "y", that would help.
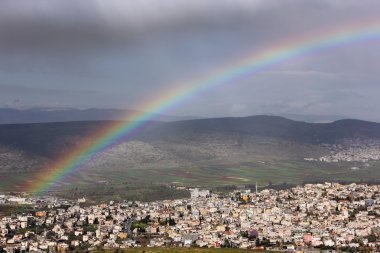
{"x": 256, "y": 187}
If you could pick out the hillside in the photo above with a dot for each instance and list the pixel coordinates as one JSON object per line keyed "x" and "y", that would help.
{"x": 49, "y": 139}
{"x": 190, "y": 151}
{"x": 271, "y": 127}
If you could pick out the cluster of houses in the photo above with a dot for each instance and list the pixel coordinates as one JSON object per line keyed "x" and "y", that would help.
{"x": 324, "y": 216}
{"x": 356, "y": 150}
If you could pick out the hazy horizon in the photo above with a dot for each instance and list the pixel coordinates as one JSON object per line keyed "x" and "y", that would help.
{"x": 119, "y": 112}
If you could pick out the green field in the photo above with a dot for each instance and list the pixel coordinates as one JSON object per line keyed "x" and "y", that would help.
{"x": 275, "y": 172}
{"x": 150, "y": 184}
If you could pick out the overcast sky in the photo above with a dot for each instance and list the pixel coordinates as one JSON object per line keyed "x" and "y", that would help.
{"x": 115, "y": 53}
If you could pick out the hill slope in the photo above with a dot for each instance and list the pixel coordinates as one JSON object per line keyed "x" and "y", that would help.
{"x": 191, "y": 150}
{"x": 49, "y": 139}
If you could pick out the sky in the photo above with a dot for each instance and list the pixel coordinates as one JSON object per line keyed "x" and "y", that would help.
{"x": 116, "y": 53}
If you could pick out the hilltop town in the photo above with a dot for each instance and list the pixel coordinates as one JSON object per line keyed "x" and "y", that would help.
{"x": 351, "y": 150}
{"x": 314, "y": 216}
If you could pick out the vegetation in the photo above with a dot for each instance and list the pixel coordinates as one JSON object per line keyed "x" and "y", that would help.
{"x": 7, "y": 210}
{"x": 216, "y": 153}
{"x": 119, "y": 192}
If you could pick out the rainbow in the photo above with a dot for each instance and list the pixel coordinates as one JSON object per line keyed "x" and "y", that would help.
{"x": 115, "y": 132}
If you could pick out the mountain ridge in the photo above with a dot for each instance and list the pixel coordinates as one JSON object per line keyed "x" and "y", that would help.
{"x": 52, "y": 139}
{"x": 166, "y": 150}
{"x": 50, "y": 115}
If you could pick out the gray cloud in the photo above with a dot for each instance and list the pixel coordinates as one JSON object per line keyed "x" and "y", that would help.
{"x": 128, "y": 50}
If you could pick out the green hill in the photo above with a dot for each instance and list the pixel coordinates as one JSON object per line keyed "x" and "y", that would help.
{"x": 204, "y": 152}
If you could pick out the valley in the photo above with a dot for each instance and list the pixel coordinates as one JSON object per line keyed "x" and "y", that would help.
{"x": 206, "y": 153}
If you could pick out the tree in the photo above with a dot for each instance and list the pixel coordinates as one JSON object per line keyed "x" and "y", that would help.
{"x": 257, "y": 242}
{"x": 91, "y": 228}
{"x": 170, "y": 222}
{"x": 371, "y": 238}
{"x": 244, "y": 234}
{"x": 50, "y": 234}
{"x": 227, "y": 243}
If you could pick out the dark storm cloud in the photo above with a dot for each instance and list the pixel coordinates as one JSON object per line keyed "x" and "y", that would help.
{"x": 44, "y": 25}
{"x": 81, "y": 25}
{"x": 67, "y": 34}
{"x": 128, "y": 50}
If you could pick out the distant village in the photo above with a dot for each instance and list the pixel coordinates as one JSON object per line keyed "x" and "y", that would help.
{"x": 307, "y": 218}
{"x": 355, "y": 150}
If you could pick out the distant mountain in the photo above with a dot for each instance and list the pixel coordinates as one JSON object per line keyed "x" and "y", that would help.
{"x": 50, "y": 139}
{"x": 270, "y": 127}
{"x": 312, "y": 118}
{"x": 44, "y": 115}
{"x": 169, "y": 149}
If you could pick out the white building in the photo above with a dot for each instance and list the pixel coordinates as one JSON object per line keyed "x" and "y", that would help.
{"x": 196, "y": 193}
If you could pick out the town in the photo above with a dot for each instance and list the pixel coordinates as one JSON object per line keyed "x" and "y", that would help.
{"x": 351, "y": 150}
{"x": 327, "y": 216}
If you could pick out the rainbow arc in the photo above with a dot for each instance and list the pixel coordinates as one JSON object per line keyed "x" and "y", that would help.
{"x": 248, "y": 65}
